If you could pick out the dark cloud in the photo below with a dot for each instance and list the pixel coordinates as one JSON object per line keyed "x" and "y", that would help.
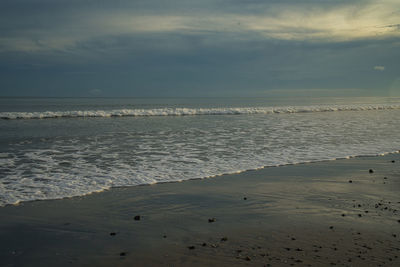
{"x": 169, "y": 48}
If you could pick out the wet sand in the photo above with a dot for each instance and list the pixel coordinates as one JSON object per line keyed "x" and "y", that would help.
{"x": 315, "y": 214}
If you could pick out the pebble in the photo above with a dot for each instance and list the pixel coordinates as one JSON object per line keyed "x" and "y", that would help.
{"x": 191, "y": 247}
{"x": 350, "y": 181}
{"x": 224, "y": 239}
{"x": 211, "y": 220}
{"x": 371, "y": 171}
{"x": 137, "y": 218}
{"x": 112, "y": 234}
{"x": 122, "y": 254}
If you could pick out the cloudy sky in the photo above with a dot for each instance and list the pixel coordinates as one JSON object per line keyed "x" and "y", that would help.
{"x": 199, "y": 48}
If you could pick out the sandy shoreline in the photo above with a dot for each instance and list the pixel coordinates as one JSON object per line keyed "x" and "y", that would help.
{"x": 301, "y": 215}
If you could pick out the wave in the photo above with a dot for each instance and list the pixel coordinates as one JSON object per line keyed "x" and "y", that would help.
{"x": 192, "y": 111}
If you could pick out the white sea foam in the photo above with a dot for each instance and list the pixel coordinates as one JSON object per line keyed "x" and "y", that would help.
{"x": 192, "y": 111}
{"x": 142, "y": 151}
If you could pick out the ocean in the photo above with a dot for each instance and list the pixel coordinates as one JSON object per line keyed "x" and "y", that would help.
{"x": 62, "y": 147}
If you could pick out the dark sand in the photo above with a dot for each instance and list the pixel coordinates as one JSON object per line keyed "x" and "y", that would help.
{"x": 300, "y": 215}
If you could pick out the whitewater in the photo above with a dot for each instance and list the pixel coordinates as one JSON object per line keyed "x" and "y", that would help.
{"x": 190, "y": 111}
{"x": 56, "y": 148}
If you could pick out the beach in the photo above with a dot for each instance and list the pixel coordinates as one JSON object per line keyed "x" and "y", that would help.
{"x": 343, "y": 212}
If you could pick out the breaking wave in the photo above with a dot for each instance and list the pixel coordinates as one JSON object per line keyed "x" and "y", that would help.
{"x": 192, "y": 111}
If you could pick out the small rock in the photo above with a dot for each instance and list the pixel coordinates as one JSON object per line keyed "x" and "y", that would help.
{"x": 293, "y": 238}
{"x": 164, "y": 236}
{"x": 330, "y": 227}
{"x": 204, "y": 244}
{"x": 371, "y": 171}
{"x": 211, "y": 220}
{"x": 393, "y": 161}
{"x": 122, "y": 254}
{"x": 359, "y": 215}
{"x": 113, "y": 233}
{"x": 245, "y": 198}
{"x": 247, "y": 258}
{"x": 385, "y": 178}
{"x": 350, "y": 181}
{"x": 224, "y": 239}
{"x": 191, "y": 247}
{"x": 343, "y": 214}
{"x": 137, "y": 218}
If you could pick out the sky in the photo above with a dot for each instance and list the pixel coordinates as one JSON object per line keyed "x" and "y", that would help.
{"x": 169, "y": 48}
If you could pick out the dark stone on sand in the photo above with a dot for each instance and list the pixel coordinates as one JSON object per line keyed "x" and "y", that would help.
{"x": 393, "y": 161}
{"x": 137, "y": 218}
{"x": 113, "y": 233}
{"x": 245, "y": 198}
{"x": 191, "y": 247}
{"x": 330, "y": 227}
{"x": 398, "y": 221}
{"x": 293, "y": 238}
{"x": 247, "y": 258}
{"x": 288, "y": 249}
{"x": 385, "y": 178}
{"x": 343, "y": 215}
{"x": 359, "y": 215}
{"x": 366, "y": 211}
{"x": 164, "y": 236}
{"x": 122, "y": 254}
{"x": 211, "y": 220}
{"x": 204, "y": 244}
{"x": 350, "y": 181}
{"x": 299, "y": 249}
{"x": 224, "y": 239}
{"x": 371, "y": 171}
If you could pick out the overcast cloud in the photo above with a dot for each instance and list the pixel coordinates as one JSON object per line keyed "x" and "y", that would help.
{"x": 198, "y": 48}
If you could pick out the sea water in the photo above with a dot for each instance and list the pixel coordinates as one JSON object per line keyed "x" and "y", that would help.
{"x": 61, "y": 147}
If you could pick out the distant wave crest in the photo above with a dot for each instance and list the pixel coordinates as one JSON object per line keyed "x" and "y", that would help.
{"x": 191, "y": 111}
